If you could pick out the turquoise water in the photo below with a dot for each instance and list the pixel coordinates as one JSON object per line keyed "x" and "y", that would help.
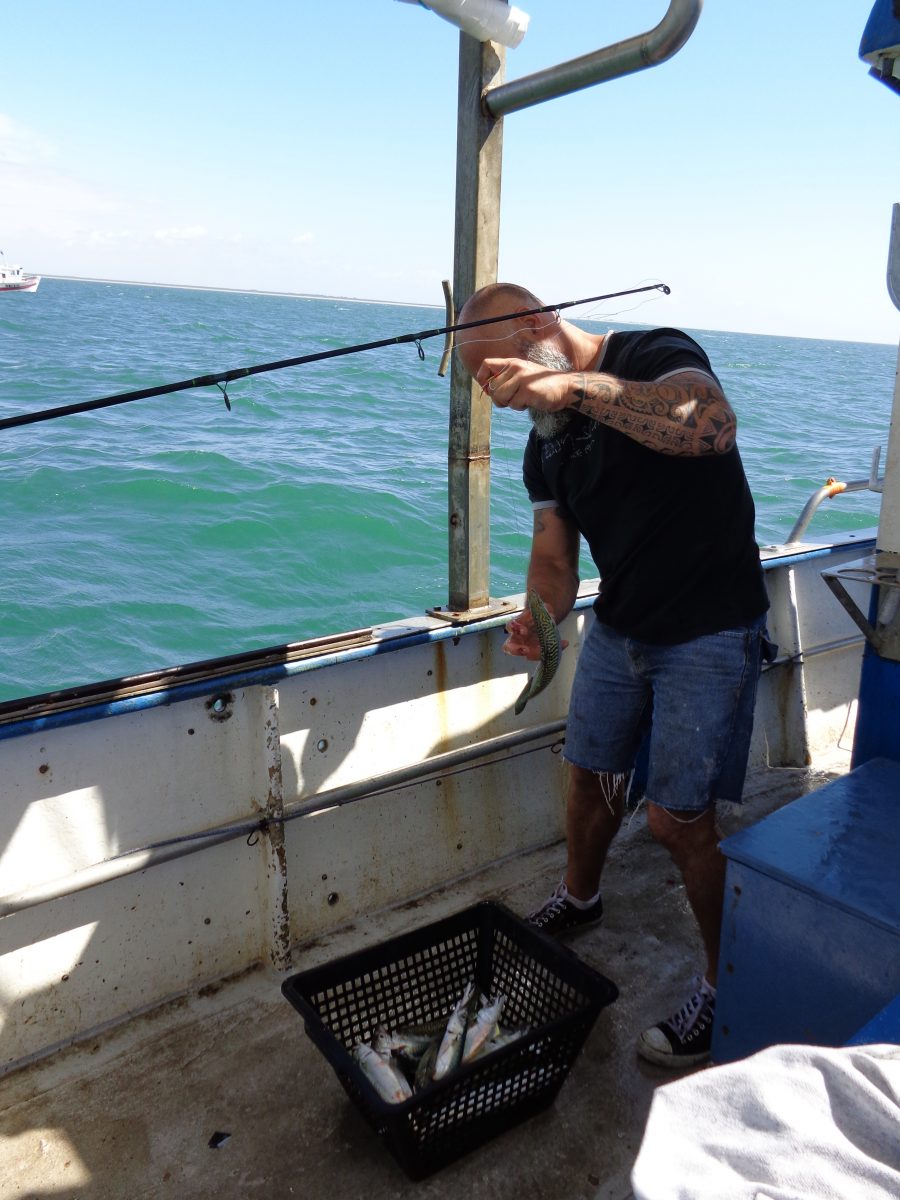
{"x": 171, "y": 530}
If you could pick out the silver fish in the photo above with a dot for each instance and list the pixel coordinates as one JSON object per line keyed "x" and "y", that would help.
{"x": 504, "y": 1037}
{"x": 405, "y": 1043}
{"x": 425, "y": 1069}
{"x": 453, "y": 1040}
{"x": 384, "y": 1075}
{"x": 429, "y": 1029}
{"x": 483, "y": 1028}
{"x": 548, "y": 639}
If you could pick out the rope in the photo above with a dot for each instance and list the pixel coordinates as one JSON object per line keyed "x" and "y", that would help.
{"x": 226, "y": 377}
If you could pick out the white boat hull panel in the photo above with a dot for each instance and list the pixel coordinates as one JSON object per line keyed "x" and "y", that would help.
{"x": 80, "y": 794}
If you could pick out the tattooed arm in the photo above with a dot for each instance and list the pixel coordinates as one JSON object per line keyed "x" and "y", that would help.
{"x": 552, "y": 572}
{"x": 684, "y": 414}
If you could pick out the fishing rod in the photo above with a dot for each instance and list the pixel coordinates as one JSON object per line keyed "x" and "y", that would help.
{"x": 226, "y": 377}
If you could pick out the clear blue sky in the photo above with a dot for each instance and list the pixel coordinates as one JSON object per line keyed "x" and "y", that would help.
{"x": 310, "y": 147}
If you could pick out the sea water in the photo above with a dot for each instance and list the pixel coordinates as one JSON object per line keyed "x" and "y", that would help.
{"x": 170, "y": 529}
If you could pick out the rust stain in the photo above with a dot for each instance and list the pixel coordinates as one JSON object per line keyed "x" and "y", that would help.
{"x": 220, "y": 707}
{"x": 491, "y": 725}
{"x": 440, "y": 667}
{"x": 280, "y": 949}
{"x": 447, "y": 808}
{"x": 441, "y": 696}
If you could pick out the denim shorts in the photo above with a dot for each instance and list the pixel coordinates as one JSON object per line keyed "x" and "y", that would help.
{"x": 687, "y": 708}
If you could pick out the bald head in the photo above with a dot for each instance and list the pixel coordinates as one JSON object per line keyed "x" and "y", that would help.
{"x": 503, "y": 339}
{"x": 498, "y": 298}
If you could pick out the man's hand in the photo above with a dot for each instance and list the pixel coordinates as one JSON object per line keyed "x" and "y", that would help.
{"x": 523, "y": 640}
{"x": 518, "y": 384}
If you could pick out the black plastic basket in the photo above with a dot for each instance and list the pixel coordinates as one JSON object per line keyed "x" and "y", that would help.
{"x": 417, "y": 978}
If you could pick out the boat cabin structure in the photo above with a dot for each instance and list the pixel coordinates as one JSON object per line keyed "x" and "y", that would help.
{"x": 14, "y": 279}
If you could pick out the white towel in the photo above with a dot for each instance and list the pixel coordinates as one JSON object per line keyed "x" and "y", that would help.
{"x": 788, "y": 1123}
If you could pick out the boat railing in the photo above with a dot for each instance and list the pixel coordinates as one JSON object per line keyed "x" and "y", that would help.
{"x": 611, "y": 62}
{"x": 835, "y": 487}
{"x": 131, "y": 862}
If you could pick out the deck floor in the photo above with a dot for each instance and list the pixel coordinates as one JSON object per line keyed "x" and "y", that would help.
{"x": 131, "y": 1113}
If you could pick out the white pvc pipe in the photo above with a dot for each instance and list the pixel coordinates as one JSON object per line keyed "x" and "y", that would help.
{"x": 484, "y": 20}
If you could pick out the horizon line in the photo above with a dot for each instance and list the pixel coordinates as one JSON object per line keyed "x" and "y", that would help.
{"x": 203, "y": 287}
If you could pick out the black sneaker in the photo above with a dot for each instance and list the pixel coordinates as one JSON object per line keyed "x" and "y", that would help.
{"x": 685, "y": 1039}
{"x": 558, "y": 915}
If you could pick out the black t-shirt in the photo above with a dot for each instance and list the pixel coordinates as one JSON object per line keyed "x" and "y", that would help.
{"x": 672, "y": 536}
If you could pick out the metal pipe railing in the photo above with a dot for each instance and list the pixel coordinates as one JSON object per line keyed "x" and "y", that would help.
{"x": 797, "y": 659}
{"x": 621, "y": 58}
{"x": 150, "y": 856}
{"x": 832, "y": 487}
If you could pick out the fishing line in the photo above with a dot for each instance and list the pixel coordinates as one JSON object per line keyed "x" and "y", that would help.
{"x": 226, "y": 377}
{"x": 595, "y": 314}
{"x": 502, "y": 430}
{"x": 599, "y": 314}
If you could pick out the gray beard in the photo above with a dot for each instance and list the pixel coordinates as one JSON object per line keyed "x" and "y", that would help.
{"x": 549, "y": 424}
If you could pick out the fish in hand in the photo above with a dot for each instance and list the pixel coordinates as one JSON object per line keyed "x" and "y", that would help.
{"x": 551, "y": 648}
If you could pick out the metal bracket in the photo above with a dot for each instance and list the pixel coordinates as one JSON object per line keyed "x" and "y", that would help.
{"x": 451, "y": 320}
{"x": 493, "y": 608}
{"x": 881, "y": 571}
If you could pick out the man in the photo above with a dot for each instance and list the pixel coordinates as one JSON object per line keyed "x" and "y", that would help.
{"x": 633, "y": 448}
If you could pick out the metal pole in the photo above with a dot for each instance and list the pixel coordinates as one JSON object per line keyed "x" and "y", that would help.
{"x": 622, "y": 58}
{"x": 479, "y": 150}
{"x": 826, "y": 492}
{"x": 888, "y": 544}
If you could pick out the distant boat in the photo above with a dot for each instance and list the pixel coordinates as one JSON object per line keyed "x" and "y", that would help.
{"x": 14, "y": 279}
